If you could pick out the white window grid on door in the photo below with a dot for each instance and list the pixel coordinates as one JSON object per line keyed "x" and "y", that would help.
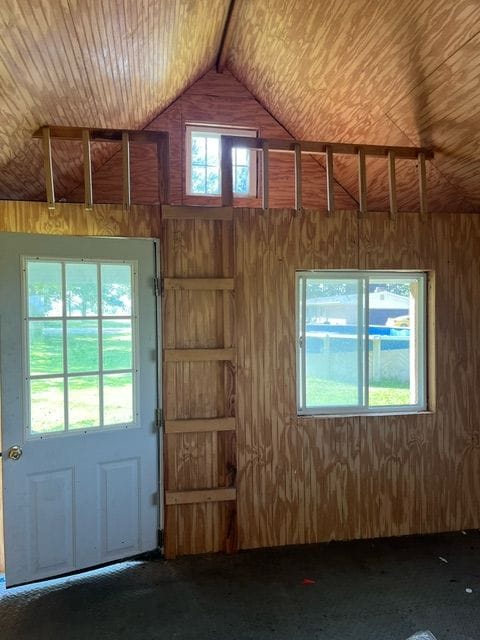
{"x": 64, "y": 318}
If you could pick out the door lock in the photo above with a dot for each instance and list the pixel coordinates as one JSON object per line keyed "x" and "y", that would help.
{"x": 15, "y": 452}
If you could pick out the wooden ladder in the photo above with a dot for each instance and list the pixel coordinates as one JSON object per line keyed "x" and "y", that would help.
{"x": 199, "y": 380}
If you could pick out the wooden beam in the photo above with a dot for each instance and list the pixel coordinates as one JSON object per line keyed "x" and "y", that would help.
{"x": 392, "y": 184}
{"x": 200, "y": 495}
{"x": 265, "y": 175}
{"x": 362, "y": 182}
{"x": 330, "y": 180}
{"x": 163, "y": 159}
{"x": 48, "y": 164}
{"x": 298, "y": 177}
{"x": 127, "y": 198}
{"x": 87, "y": 170}
{"x": 338, "y": 148}
{"x": 198, "y": 355}
{"x": 227, "y": 171}
{"x": 422, "y": 183}
{"x": 199, "y": 284}
{"x": 227, "y": 36}
{"x": 201, "y": 425}
{"x": 103, "y": 135}
{"x": 196, "y": 213}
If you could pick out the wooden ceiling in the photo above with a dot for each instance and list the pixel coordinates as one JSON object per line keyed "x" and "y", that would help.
{"x": 367, "y": 71}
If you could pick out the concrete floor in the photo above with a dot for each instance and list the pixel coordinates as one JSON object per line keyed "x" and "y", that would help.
{"x": 367, "y": 590}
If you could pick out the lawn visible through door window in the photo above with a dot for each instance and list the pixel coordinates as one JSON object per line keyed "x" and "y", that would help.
{"x": 80, "y": 344}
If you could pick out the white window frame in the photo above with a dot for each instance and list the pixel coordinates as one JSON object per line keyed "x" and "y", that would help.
{"x": 217, "y": 132}
{"x": 362, "y": 357}
{"x": 135, "y": 370}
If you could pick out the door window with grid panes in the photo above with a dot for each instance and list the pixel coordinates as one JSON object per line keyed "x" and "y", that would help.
{"x": 80, "y": 345}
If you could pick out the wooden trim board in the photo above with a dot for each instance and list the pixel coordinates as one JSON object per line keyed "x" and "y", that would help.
{"x": 200, "y": 496}
{"x": 200, "y": 425}
{"x": 198, "y": 355}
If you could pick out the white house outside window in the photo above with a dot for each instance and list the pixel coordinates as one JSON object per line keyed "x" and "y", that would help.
{"x": 361, "y": 342}
{"x": 203, "y": 162}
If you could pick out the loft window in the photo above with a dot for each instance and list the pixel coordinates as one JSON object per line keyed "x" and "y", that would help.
{"x": 203, "y": 162}
{"x": 361, "y": 342}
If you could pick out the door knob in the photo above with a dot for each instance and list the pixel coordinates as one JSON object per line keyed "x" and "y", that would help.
{"x": 15, "y": 452}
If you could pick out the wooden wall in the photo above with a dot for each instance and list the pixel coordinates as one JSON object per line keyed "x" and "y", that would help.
{"x": 304, "y": 479}
{"x": 216, "y": 99}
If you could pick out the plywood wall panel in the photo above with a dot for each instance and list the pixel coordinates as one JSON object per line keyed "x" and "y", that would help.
{"x": 70, "y": 219}
{"x": 311, "y": 479}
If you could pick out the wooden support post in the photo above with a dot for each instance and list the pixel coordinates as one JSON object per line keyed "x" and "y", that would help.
{"x": 127, "y": 200}
{"x": 330, "y": 183}
{"x": 422, "y": 183}
{"x": 392, "y": 184}
{"x": 362, "y": 182}
{"x": 47, "y": 158}
{"x": 298, "y": 177}
{"x": 227, "y": 172}
{"x": 163, "y": 164}
{"x": 87, "y": 170}
{"x": 265, "y": 192}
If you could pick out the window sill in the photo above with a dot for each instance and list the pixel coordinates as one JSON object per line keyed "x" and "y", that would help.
{"x": 329, "y": 416}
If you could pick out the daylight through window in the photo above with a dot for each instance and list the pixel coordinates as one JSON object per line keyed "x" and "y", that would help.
{"x": 203, "y": 159}
{"x": 360, "y": 342}
{"x": 80, "y": 344}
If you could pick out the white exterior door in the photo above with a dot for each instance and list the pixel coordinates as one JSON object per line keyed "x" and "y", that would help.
{"x": 79, "y": 392}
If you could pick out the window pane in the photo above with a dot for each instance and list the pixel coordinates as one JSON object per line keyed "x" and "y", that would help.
{"x": 82, "y": 289}
{"x": 241, "y": 180}
{"x": 46, "y": 406}
{"x": 213, "y": 152}
{"x": 117, "y": 398}
{"x": 198, "y": 150}
{"x": 45, "y": 345}
{"x": 213, "y": 181}
{"x": 332, "y": 344}
{"x": 44, "y": 289}
{"x": 199, "y": 180}
{"x": 83, "y": 402}
{"x": 117, "y": 344}
{"x": 116, "y": 289}
{"x": 240, "y": 157}
{"x": 82, "y": 345}
{"x": 392, "y": 336}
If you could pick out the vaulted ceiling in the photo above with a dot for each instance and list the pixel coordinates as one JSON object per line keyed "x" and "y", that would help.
{"x": 385, "y": 72}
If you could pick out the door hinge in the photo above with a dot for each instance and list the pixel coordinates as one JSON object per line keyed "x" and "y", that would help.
{"x": 157, "y": 286}
{"x": 159, "y": 419}
{"x": 160, "y": 538}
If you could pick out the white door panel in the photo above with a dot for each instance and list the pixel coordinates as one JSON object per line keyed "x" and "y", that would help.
{"x": 85, "y": 490}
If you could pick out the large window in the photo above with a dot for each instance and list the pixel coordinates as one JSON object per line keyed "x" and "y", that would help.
{"x": 203, "y": 162}
{"x": 360, "y": 342}
{"x": 80, "y": 345}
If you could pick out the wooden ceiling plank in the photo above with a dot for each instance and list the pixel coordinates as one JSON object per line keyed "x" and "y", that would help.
{"x": 227, "y": 36}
